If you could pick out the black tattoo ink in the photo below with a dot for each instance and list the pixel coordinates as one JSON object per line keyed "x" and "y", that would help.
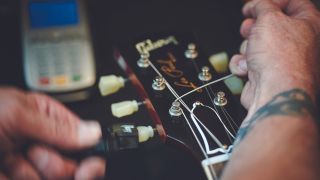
{"x": 295, "y": 102}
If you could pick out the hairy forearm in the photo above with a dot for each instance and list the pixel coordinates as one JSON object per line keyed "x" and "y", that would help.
{"x": 280, "y": 141}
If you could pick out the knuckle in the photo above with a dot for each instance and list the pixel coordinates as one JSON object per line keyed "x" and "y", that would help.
{"x": 272, "y": 16}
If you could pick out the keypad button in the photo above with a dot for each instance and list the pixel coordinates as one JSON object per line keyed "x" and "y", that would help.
{"x": 44, "y": 81}
{"x": 76, "y": 78}
{"x": 60, "y": 80}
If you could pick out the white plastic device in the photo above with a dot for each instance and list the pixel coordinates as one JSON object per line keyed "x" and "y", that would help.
{"x": 57, "y": 48}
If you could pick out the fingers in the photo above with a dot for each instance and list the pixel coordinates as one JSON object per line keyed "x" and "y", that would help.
{"x": 256, "y": 8}
{"x": 18, "y": 168}
{"x": 91, "y": 168}
{"x": 296, "y": 8}
{"x": 238, "y": 65}
{"x": 50, "y": 164}
{"x": 50, "y": 122}
{"x": 243, "y": 47}
{"x": 246, "y": 27}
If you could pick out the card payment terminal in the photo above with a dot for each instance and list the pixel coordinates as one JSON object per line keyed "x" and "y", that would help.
{"x": 57, "y": 49}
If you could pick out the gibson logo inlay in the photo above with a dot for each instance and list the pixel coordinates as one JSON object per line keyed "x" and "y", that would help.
{"x": 148, "y": 45}
{"x": 168, "y": 67}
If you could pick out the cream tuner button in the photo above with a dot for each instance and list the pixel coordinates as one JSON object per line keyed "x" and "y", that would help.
{"x": 219, "y": 62}
{"x": 145, "y": 133}
{"x": 110, "y": 84}
{"x": 124, "y": 108}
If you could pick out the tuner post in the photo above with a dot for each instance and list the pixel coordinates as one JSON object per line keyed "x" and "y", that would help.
{"x": 175, "y": 109}
{"x": 191, "y": 52}
{"x": 205, "y": 75}
{"x": 143, "y": 62}
{"x": 220, "y": 99}
{"x": 159, "y": 83}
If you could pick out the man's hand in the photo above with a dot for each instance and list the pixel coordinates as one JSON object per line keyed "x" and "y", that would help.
{"x": 281, "y": 50}
{"x": 279, "y": 139}
{"x": 31, "y": 118}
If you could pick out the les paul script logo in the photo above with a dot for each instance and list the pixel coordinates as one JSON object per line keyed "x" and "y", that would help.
{"x": 168, "y": 66}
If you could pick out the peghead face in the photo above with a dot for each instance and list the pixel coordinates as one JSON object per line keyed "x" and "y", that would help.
{"x": 191, "y": 52}
{"x": 205, "y": 75}
{"x": 158, "y": 83}
{"x": 220, "y": 99}
{"x": 143, "y": 62}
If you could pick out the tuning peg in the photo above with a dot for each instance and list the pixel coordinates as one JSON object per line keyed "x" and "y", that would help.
{"x": 219, "y": 62}
{"x": 234, "y": 84}
{"x": 143, "y": 62}
{"x": 205, "y": 75}
{"x": 124, "y": 108}
{"x": 220, "y": 99}
{"x": 191, "y": 52}
{"x": 145, "y": 133}
{"x": 110, "y": 84}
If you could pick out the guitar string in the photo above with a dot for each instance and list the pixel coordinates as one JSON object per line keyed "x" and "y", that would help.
{"x": 208, "y": 84}
{"x": 195, "y": 65}
{"x": 221, "y": 149}
{"x": 206, "y": 144}
{"x": 186, "y": 107}
{"x": 219, "y": 117}
{"x": 199, "y": 143}
{"x": 205, "y": 85}
{"x": 181, "y": 101}
{"x": 230, "y": 122}
{"x": 212, "y": 101}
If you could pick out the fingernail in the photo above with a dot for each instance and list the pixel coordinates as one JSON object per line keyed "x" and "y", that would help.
{"x": 89, "y": 133}
{"x": 42, "y": 159}
{"x": 243, "y": 47}
{"x": 243, "y": 65}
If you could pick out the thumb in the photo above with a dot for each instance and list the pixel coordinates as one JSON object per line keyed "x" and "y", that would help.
{"x": 50, "y": 122}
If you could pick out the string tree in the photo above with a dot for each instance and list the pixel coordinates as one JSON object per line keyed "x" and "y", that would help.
{"x": 220, "y": 99}
{"x": 205, "y": 75}
{"x": 143, "y": 62}
{"x": 158, "y": 83}
{"x": 191, "y": 52}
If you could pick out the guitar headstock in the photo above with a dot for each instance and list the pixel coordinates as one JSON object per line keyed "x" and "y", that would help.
{"x": 186, "y": 97}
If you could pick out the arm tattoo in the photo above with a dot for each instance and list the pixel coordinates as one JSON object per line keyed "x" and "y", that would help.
{"x": 294, "y": 103}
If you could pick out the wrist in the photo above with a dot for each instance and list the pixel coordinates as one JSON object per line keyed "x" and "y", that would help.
{"x": 291, "y": 104}
{"x": 274, "y": 84}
